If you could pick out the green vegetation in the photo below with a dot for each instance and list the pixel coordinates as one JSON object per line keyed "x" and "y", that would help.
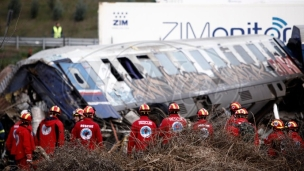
{"x": 34, "y": 9}
{"x": 15, "y": 5}
{"x": 57, "y": 11}
{"x": 80, "y": 11}
{"x": 42, "y": 25}
{"x": 51, "y": 4}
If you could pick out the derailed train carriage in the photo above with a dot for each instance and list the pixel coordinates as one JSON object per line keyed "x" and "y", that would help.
{"x": 255, "y": 70}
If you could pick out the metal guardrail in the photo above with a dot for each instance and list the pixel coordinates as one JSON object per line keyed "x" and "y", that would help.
{"x": 47, "y": 42}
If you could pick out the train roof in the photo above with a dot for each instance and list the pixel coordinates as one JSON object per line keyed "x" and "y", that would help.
{"x": 77, "y": 53}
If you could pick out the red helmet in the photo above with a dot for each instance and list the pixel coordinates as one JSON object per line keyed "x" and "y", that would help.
{"x": 89, "y": 110}
{"x": 24, "y": 111}
{"x": 144, "y": 109}
{"x": 55, "y": 110}
{"x": 173, "y": 108}
{"x": 78, "y": 112}
{"x": 242, "y": 111}
{"x": 292, "y": 125}
{"x": 26, "y": 117}
{"x": 202, "y": 112}
{"x": 277, "y": 124}
{"x": 235, "y": 106}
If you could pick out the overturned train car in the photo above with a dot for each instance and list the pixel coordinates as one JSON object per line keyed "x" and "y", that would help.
{"x": 256, "y": 70}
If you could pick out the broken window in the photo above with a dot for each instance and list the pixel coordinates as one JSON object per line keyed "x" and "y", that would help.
{"x": 184, "y": 61}
{"x": 258, "y": 54}
{"x": 113, "y": 70}
{"x": 267, "y": 51}
{"x": 166, "y": 63}
{"x": 130, "y": 68}
{"x": 199, "y": 58}
{"x": 230, "y": 56}
{"x": 92, "y": 73}
{"x": 215, "y": 57}
{"x": 149, "y": 66}
{"x": 79, "y": 77}
{"x": 243, "y": 53}
{"x": 281, "y": 53}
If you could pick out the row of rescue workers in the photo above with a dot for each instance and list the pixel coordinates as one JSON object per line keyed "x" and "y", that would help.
{"x": 21, "y": 141}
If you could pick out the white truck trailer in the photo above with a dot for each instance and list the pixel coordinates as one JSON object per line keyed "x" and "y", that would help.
{"x": 123, "y": 22}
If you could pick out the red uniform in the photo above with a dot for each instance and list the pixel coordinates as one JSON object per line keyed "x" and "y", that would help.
{"x": 233, "y": 128}
{"x": 230, "y": 121}
{"x": 25, "y": 146}
{"x": 274, "y": 141}
{"x": 50, "y": 134}
{"x": 204, "y": 126}
{"x": 143, "y": 133}
{"x": 170, "y": 126}
{"x": 10, "y": 142}
{"x": 88, "y": 132}
{"x": 297, "y": 139}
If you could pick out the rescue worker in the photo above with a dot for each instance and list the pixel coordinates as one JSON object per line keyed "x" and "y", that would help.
{"x": 50, "y": 132}
{"x": 78, "y": 115}
{"x": 294, "y": 135}
{"x": 275, "y": 140}
{"x": 25, "y": 143}
{"x": 10, "y": 141}
{"x": 202, "y": 124}
{"x": 234, "y": 106}
{"x": 88, "y": 131}
{"x": 143, "y": 131}
{"x": 171, "y": 125}
{"x": 57, "y": 31}
{"x": 240, "y": 127}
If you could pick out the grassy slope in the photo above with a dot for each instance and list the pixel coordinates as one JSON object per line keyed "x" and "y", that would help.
{"x": 42, "y": 25}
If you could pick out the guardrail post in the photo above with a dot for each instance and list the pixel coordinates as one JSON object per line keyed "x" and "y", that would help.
{"x": 43, "y": 43}
{"x": 17, "y": 42}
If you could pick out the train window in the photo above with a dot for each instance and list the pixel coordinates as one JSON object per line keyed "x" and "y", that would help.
{"x": 183, "y": 61}
{"x": 113, "y": 70}
{"x": 149, "y": 66}
{"x": 230, "y": 56}
{"x": 199, "y": 58}
{"x": 88, "y": 67}
{"x": 130, "y": 68}
{"x": 278, "y": 49}
{"x": 242, "y": 52}
{"x": 267, "y": 51}
{"x": 258, "y": 54}
{"x": 166, "y": 63}
{"x": 215, "y": 57}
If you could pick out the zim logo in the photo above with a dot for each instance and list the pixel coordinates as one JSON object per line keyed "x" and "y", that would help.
{"x": 120, "y": 19}
{"x": 120, "y": 22}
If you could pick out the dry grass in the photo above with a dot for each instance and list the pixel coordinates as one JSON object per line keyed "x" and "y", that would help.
{"x": 186, "y": 152}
